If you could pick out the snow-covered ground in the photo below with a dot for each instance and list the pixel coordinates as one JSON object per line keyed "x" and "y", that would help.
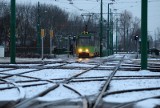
{"x": 85, "y": 88}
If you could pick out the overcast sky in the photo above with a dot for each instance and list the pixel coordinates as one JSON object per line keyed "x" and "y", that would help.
{"x": 85, "y": 6}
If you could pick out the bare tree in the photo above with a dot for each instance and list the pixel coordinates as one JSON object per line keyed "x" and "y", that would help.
{"x": 129, "y": 27}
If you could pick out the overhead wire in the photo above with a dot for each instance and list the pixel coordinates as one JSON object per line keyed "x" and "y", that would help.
{"x": 105, "y": 3}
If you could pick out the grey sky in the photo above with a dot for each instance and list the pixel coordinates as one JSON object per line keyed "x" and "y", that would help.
{"x": 84, "y": 6}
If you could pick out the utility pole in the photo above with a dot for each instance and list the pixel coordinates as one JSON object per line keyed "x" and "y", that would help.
{"x": 38, "y": 29}
{"x": 42, "y": 40}
{"x": 111, "y": 34}
{"x": 101, "y": 28}
{"x": 13, "y": 30}
{"x": 144, "y": 17}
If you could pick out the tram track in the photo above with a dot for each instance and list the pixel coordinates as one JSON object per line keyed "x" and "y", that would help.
{"x": 63, "y": 81}
{"x": 106, "y": 85}
{"x": 80, "y": 79}
{"x": 67, "y": 80}
{"x": 20, "y": 90}
{"x": 130, "y": 104}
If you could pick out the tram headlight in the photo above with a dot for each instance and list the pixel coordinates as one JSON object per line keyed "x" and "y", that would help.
{"x": 79, "y": 50}
{"x": 87, "y": 50}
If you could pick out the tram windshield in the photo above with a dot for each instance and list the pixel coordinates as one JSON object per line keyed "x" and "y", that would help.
{"x": 86, "y": 40}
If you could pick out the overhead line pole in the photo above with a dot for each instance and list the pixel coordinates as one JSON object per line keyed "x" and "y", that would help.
{"x": 108, "y": 32}
{"x": 12, "y": 32}
{"x": 101, "y": 28}
{"x": 111, "y": 34}
{"x": 144, "y": 9}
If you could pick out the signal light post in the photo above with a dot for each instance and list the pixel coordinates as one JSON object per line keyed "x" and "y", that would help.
{"x": 42, "y": 36}
{"x": 136, "y": 38}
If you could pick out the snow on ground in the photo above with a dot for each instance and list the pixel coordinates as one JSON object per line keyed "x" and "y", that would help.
{"x": 2, "y": 69}
{"x": 55, "y": 64}
{"x": 34, "y": 90}
{"x": 59, "y": 93}
{"x": 9, "y": 95}
{"x": 87, "y": 88}
{"x": 131, "y": 96}
{"x": 96, "y": 73}
{"x": 150, "y": 103}
{"x": 30, "y": 83}
{"x": 133, "y": 84}
{"x": 78, "y": 65}
{"x": 17, "y": 71}
{"x": 137, "y": 73}
{"x": 17, "y": 78}
{"x": 52, "y": 73}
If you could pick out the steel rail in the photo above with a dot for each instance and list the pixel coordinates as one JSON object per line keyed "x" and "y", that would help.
{"x": 84, "y": 99}
{"x": 20, "y": 89}
{"x": 130, "y": 90}
{"x": 106, "y": 85}
{"x": 27, "y": 102}
{"x": 125, "y": 105}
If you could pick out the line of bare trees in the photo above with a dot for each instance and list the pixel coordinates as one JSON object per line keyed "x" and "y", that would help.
{"x": 63, "y": 24}
{"x": 51, "y": 17}
{"x": 128, "y": 28}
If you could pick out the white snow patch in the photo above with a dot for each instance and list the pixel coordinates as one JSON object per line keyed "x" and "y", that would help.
{"x": 17, "y": 71}
{"x": 96, "y": 73}
{"x": 136, "y": 73}
{"x": 34, "y": 90}
{"x": 58, "y": 94}
{"x": 9, "y": 95}
{"x": 131, "y": 96}
{"x": 55, "y": 64}
{"x": 3, "y": 69}
{"x": 28, "y": 64}
{"x": 17, "y": 78}
{"x": 79, "y": 65}
{"x": 87, "y": 88}
{"x": 52, "y": 73}
{"x": 150, "y": 103}
{"x": 133, "y": 84}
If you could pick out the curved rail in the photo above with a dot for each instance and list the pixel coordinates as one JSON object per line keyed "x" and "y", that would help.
{"x": 27, "y": 102}
{"x": 20, "y": 89}
{"x": 126, "y": 105}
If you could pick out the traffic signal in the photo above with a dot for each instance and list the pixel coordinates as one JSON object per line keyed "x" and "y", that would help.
{"x": 136, "y": 37}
